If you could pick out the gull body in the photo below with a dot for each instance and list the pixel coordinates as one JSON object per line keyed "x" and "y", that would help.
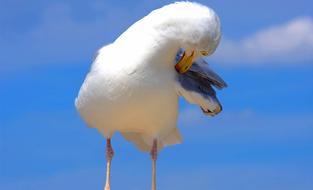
{"x": 134, "y": 83}
{"x": 139, "y": 100}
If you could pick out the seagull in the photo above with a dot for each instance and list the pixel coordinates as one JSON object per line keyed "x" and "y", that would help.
{"x": 135, "y": 82}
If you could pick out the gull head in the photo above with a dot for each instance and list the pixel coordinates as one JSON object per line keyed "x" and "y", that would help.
{"x": 189, "y": 26}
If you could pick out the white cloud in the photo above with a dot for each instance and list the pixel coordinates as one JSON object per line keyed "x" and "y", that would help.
{"x": 291, "y": 42}
{"x": 245, "y": 126}
{"x": 60, "y": 38}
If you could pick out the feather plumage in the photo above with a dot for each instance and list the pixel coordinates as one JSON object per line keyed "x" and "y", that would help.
{"x": 130, "y": 86}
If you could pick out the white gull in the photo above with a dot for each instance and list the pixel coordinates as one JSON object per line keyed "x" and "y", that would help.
{"x": 134, "y": 83}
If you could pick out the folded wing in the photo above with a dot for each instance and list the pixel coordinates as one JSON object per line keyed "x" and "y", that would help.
{"x": 200, "y": 71}
{"x": 196, "y": 86}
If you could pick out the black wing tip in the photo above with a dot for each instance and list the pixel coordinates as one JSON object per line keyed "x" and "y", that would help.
{"x": 223, "y": 85}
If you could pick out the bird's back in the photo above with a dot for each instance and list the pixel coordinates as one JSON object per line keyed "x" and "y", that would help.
{"x": 117, "y": 98}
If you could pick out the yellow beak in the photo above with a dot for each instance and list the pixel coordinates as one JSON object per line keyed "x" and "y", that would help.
{"x": 184, "y": 63}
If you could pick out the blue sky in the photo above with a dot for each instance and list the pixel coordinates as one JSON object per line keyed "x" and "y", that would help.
{"x": 262, "y": 140}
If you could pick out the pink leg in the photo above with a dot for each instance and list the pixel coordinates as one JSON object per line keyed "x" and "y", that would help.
{"x": 154, "y": 154}
{"x": 109, "y": 156}
{"x": 109, "y": 150}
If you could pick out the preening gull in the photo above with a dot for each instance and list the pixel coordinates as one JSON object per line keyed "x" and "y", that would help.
{"x": 134, "y": 83}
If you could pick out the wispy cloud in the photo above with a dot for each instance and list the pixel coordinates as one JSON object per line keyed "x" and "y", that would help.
{"x": 60, "y": 38}
{"x": 246, "y": 126}
{"x": 291, "y": 42}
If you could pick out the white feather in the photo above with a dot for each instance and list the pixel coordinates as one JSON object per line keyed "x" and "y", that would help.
{"x": 131, "y": 87}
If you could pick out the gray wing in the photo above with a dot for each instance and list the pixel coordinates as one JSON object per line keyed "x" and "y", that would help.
{"x": 201, "y": 71}
{"x": 196, "y": 86}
